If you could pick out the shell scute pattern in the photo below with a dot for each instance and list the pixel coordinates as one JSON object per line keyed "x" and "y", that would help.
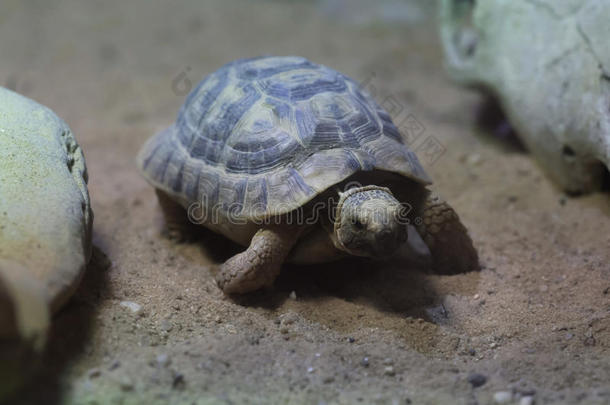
{"x": 264, "y": 136}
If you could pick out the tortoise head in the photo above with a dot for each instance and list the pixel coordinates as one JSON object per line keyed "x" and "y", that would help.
{"x": 369, "y": 222}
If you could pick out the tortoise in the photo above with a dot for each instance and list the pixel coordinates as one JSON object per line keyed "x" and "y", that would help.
{"x": 295, "y": 161}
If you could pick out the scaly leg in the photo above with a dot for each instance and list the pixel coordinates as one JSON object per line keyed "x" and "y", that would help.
{"x": 260, "y": 264}
{"x": 447, "y": 238}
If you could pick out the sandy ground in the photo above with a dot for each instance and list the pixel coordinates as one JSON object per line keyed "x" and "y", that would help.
{"x": 535, "y": 321}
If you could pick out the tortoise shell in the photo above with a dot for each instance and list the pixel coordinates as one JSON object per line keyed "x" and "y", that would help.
{"x": 264, "y": 136}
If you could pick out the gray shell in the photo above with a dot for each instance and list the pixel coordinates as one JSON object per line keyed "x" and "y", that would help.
{"x": 264, "y": 136}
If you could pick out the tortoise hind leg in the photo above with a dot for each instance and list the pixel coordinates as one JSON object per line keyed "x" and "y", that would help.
{"x": 177, "y": 225}
{"x": 260, "y": 264}
{"x": 450, "y": 245}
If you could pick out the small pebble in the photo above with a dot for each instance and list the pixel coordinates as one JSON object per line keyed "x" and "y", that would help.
{"x": 477, "y": 379}
{"x": 503, "y": 397}
{"x": 114, "y": 365}
{"x": 527, "y": 392}
{"x": 166, "y": 325}
{"x": 529, "y": 400}
{"x": 134, "y": 307}
{"x": 126, "y": 384}
{"x": 351, "y": 339}
{"x": 473, "y": 159}
{"x": 328, "y": 379}
{"x": 476, "y": 297}
{"x": 163, "y": 360}
{"x": 388, "y": 362}
{"x": 94, "y": 372}
{"x": 310, "y": 369}
{"x": 389, "y": 370}
{"x": 293, "y": 295}
{"x": 289, "y": 318}
{"x": 178, "y": 381}
{"x": 364, "y": 362}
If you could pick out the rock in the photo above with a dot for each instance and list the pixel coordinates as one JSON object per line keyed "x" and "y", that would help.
{"x": 94, "y": 372}
{"x": 389, "y": 370}
{"x": 166, "y": 326}
{"x": 528, "y": 400}
{"x": 43, "y": 257}
{"x": 114, "y": 365}
{"x": 134, "y": 307}
{"x": 289, "y": 318}
{"x": 178, "y": 381}
{"x": 364, "y": 362}
{"x": 328, "y": 379}
{"x": 568, "y": 132}
{"x": 293, "y": 295}
{"x": 503, "y": 397}
{"x": 163, "y": 360}
{"x": 473, "y": 159}
{"x": 45, "y": 229}
{"x": 477, "y": 379}
{"x": 126, "y": 383}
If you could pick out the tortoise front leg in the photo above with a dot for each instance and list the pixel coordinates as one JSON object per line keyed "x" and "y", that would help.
{"x": 260, "y": 264}
{"x": 450, "y": 245}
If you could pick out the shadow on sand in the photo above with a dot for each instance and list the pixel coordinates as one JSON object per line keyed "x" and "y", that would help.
{"x": 69, "y": 336}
